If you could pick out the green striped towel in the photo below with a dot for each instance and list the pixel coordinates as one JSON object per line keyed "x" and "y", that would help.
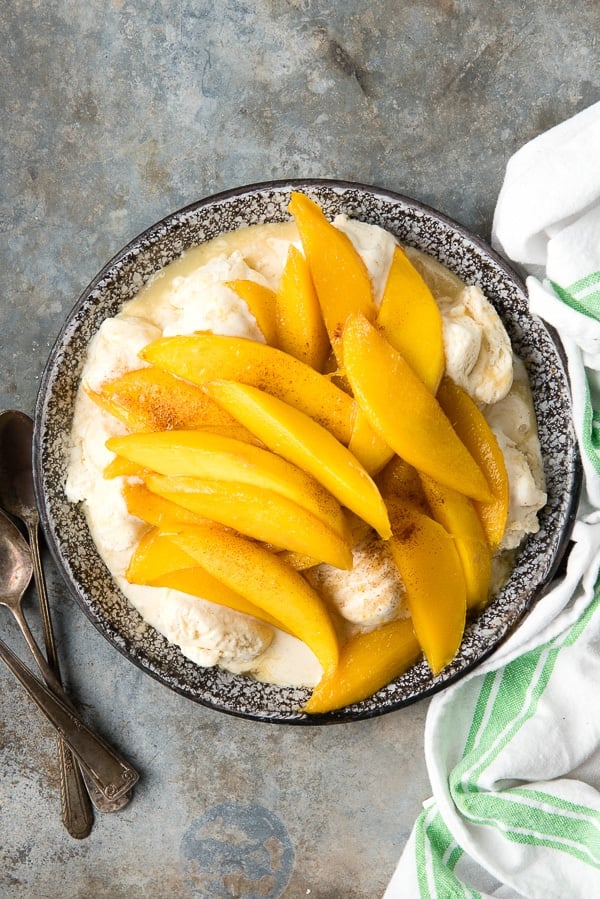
{"x": 513, "y": 750}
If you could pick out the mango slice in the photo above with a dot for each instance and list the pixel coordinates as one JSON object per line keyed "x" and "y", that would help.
{"x": 262, "y": 514}
{"x": 200, "y": 358}
{"x": 411, "y": 321}
{"x": 261, "y": 303}
{"x": 339, "y": 274}
{"x": 435, "y": 586}
{"x": 474, "y": 431}
{"x": 154, "y": 556}
{"x": 368, "y": 446}
{"x": 156, "y": 510}
{"x": 122, "y": 468}
{"x": 203, "y": 455}
{"x": 148, "y": 399}
{"x": 269, "y": 583}
{"x": 456, "y": 513}
{"x": 367, "y": 663}
{"x": 400, "y": 483}
{"x": 301, "y": 330}
{"x": 401, "y": 408}
{"x": 159, "y": 562}
{"x": 297, "y": 560}
{"x": 300, "y": 440}
{"x": 197, "y": 582}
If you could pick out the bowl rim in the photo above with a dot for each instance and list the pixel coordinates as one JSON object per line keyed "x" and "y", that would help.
{"x": 151, "y": 235}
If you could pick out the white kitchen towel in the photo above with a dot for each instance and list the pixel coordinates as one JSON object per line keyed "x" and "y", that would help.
{"x": 513, "y": 749}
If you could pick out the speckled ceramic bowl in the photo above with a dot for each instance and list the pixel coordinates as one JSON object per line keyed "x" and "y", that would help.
{"x": 65, "y": 526}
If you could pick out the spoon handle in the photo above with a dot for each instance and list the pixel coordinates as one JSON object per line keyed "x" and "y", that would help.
{"x": 113, "y": 775}
{"x": 69, "y": 771}
{"x": 47, "y": 673}
{"x": 44, "y": 605}
{"x": 76, "y": 789}
{"x": 76, "y": 811}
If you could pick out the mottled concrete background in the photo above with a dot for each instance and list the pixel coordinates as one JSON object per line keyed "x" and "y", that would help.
{"x": 114, "y": 114}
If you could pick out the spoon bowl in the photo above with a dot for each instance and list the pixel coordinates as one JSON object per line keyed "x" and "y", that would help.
{"x": 112, "y": 775}
{"x": 16, "y": 565}
{"x": 16, "y": 478}
{"x": 17, "y": 496}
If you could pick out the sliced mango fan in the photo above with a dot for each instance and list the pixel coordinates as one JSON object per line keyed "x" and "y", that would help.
{"x": 253, "y": 462}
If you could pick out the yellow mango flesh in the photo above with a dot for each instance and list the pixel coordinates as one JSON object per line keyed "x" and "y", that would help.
{"x": 435, "y": 586}
{"x": 200, "y": 358}
{"x": 159, "y": 562}
{"x": 400, "y": 482}
{"x": 367, "y": 445}
{"x": 367, "y": 663}
{"x": 154, "y": 556}
{"x": 296, "y": 560}
{"x": 148, "y": 399}
{"x": 122, "y": 468}
{"x": 300, "y": 440}
{"x": 156, "y": 510}
{"x": 457, "y": 514}
{"x": 203, "y": 455}
{"x": 411, "y": 321}
{"x": 261, "y": 303}
{"x": 339, "y": 274}
{"x": 269, "y": 583}
{"x": 197, "y": 582}
{"x": 262, "y": 514}
{"x": 301, "y": 330}
{"x": 401, "y": 408}
{"x": 474, "y": 431}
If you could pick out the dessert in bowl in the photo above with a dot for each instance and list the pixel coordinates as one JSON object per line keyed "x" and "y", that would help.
{"x": 184, "y": 280}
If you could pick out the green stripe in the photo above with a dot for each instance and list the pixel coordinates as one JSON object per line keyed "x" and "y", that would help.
{"x": 595, "y": 432}
{"x": 589, "y": 425}
{"x": 584, "y": 283}
{"x": 433, "y": 842}
{"x": 479, "y": 713}
{"x": 515, "y": 683}
{"x": 541, "y": 819}
{"x": 523, "y": 820}
{"x": 454, "y": 857}
{"x": 521, "y": 687}
{"x": 586, "y": 305}
{"x": 507, "y": 699}
{"x": 421, "y": 855}
{"x": 523, "y": 683}
{"x": 556, "y": 802}
{"x": 524, "y": 839}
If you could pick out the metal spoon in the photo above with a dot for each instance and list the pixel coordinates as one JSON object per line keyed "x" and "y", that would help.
{"x": 17, "y": 496}
{"x": 109, "y": 771}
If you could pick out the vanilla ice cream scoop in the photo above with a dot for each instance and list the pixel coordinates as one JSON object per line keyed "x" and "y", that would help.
{"x": 369, "y": 595}
{"x": 114, "y": 350}
{"x": 478, "y": 351}
{"x": 512, "y": 420}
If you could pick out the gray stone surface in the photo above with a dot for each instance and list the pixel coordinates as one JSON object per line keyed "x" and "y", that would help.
{"x": 115, "y": 113}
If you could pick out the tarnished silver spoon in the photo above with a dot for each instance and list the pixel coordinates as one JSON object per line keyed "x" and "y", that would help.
{"x": 109, "y": 771}
{"x": 17, "y": 496}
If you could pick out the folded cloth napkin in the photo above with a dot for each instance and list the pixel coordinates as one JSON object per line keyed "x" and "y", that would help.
{"x": 513, "y": 749}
